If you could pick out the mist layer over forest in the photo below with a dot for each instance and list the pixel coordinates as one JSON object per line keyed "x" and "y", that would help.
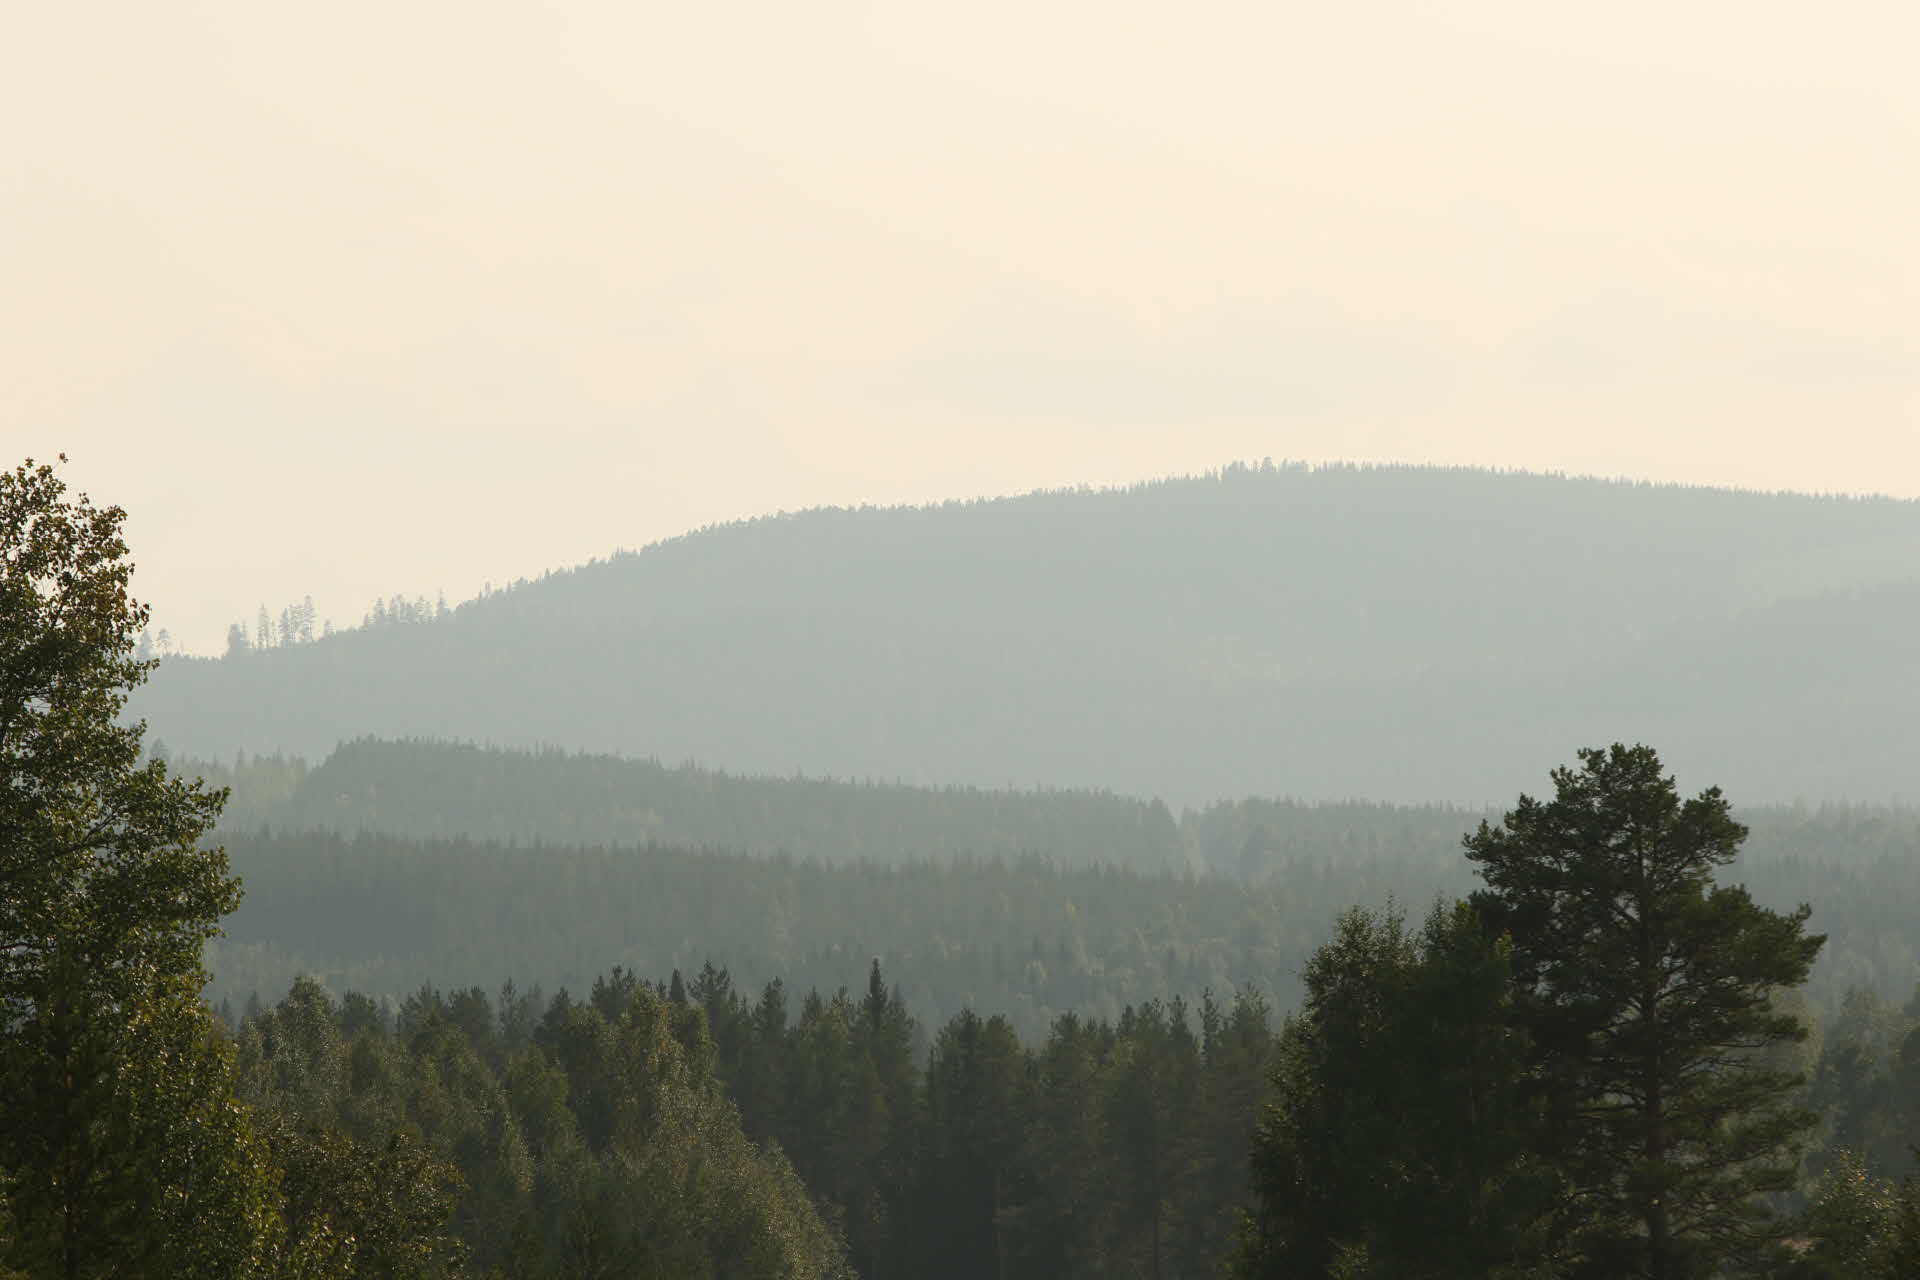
{"x": 1397, "y": 634}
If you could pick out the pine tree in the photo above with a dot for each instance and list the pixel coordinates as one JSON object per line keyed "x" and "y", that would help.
{"x": 1646, "y": 990}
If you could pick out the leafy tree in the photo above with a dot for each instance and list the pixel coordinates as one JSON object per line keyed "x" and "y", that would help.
{"x": 357, "y": 1213}
{"x": 1860, "y": 1227}
{"x": 1646, "y": 991}
{"x": 671, "y": 1187}
{"x": 115, "y": 1091}
{"x": 356, "y": 1133}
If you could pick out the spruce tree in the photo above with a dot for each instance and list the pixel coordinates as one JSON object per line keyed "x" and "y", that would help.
{"x": 1397, "y": 1143}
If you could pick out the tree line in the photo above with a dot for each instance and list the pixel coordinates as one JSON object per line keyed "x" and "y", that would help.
{"x": 424, "y": 789}
{"x": 1109, "y": 1149}
{"x": 1021, "y": 935}
{"x": 300, "y": 624}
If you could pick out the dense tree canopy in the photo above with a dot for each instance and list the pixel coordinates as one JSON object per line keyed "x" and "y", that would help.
{"x": 1021, "y": 936}
{"x": 1397, "y": 1145}
{"x": 684, "y": 1127}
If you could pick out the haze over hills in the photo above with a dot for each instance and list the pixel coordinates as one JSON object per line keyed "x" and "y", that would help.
{"x": 1393, "y": 633}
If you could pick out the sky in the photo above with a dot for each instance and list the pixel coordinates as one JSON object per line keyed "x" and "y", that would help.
{"x": 353, "y": 299}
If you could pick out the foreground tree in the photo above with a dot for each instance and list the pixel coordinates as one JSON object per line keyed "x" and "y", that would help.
{"x": 1646, "y": 991}
{"x": 122, "y": 1151}
{"x": 1600, "y": 1088}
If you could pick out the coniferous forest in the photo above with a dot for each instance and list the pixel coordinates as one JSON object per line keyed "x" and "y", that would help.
{"x": 416, "y": 1007}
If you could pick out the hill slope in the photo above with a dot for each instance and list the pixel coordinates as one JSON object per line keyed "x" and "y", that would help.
{"x": 1395, "y": 633}
{"x": 392, "y": 863}
{"x": 419, "y": 790}
{"x": 429, "y": 790}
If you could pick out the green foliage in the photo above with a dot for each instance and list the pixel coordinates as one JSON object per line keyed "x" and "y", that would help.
{"x": 1601, "y": 1089}
{"x": 1859, "y": 1227}
{"x": 121, "y": 1134}
{"x": 1848, "y": 1215}
{"x": 634, "y": 1135}
{"x": 1106, "y": 1149}
{"x": 602, "y": 1145}
{"x": 362, "y": 1192}
{"x": 1646, "y": 990}
{"x": 98, "y": 853}
{"x": 137, "y": 1156}
{"x": 424, "y": 789}
{"x": 1027, "y": 937}
{"x": 355, "y": 1211}
{"x": 1866, "y": 1085}
{"x": 1030, "y": 936}
{"x": 126, "y": 1150}
{"x": 1363, "y": 1166}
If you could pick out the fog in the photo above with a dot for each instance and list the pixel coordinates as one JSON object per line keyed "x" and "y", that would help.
{"x": 360, "y": 300}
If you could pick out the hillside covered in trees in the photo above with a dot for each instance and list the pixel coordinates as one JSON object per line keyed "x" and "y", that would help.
{"x": 1393, "y": 633}
{"x": 434, "y": 789}
{"x": 390, "y": 864}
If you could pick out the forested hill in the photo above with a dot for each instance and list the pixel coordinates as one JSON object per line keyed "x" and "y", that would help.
{"x": 435, "y": 789}
{"x": 439, "y": 790}
{"x": 392, "y": 863}
{"x": 1024, "y": 936}
{"x": 1394, "y": 633}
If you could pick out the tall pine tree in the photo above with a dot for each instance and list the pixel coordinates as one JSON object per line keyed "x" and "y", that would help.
{"x": 1646, "y": 990}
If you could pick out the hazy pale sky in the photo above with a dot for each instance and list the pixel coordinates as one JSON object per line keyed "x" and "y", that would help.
{"x": 357, "y": 298}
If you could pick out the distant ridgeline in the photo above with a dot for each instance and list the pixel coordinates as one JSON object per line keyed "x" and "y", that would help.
{"x": 1396, "y": 633}
{"x": 427, "y": 789}
{"x": 393, "y": 864}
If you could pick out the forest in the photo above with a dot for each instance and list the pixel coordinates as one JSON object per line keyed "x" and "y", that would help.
{"x": 1097, "y": 1147}
{"x": 395, "y": 863}
{"x": 427, "y": 1009}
